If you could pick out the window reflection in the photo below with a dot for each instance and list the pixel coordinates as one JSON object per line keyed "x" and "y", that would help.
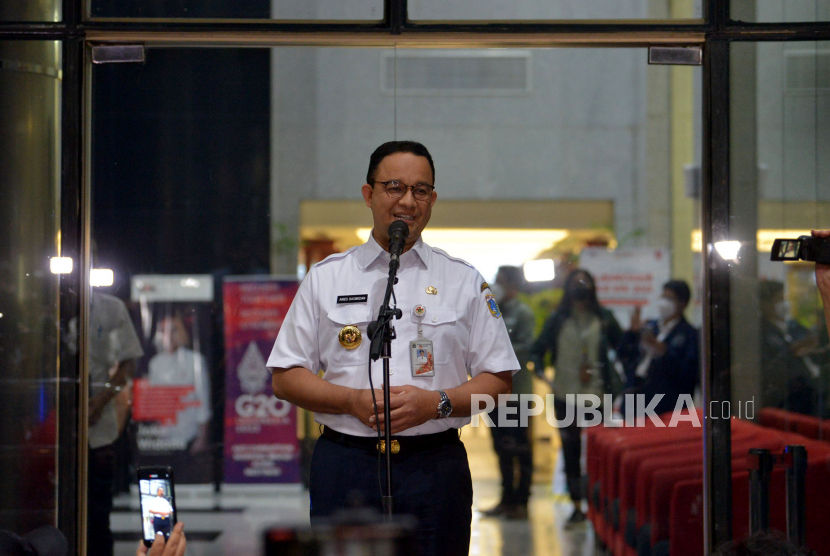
{"x": 29, "y": 225}
{"x": 221, "y": 176}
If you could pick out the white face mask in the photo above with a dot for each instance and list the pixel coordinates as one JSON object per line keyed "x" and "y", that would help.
{"x": 666, "y": 308}
{"x": 782, "y": 310}
{"x": 498, "y": 292}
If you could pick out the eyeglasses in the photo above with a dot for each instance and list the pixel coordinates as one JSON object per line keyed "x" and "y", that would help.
{"x": 397, "y": 189}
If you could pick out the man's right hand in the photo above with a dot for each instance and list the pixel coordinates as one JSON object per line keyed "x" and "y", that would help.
{"x": 175, "y": 545}
{"x": 363, "y": 407}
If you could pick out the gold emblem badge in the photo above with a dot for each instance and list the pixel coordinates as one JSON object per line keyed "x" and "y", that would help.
{"x": 396, "y": 446}
{"x": 432, "y": 290}
{"x": 349, "y": 337}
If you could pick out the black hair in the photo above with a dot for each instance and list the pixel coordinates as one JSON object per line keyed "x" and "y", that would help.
{"x": 680, "y": 289}
{"x": 566, "y": 305}
{"x": 513, "y": 275}
{"x": 393, "y": 147}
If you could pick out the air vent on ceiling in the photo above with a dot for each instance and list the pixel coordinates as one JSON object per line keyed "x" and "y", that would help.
{"x": 462, "y": 73}
{"x": 807, "y": 70}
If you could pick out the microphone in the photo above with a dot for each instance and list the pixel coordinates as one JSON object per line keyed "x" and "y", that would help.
{"x": 398, "y": 232}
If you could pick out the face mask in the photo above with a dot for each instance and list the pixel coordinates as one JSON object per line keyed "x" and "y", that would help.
{"x": 498, "y": 291}
{"x": 582, "y": 293}
{"x": 666, "y": 308}
{"x": 782, "y": 310}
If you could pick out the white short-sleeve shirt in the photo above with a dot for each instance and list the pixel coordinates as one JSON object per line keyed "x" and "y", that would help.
{"x": 465, "y": 326}
{"x": 112, "y": 339}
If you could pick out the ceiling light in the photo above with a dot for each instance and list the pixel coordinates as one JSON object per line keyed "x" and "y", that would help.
{"x": 728, "y": 249}
{"x": 101, "y": 277}
{"x": 541, "y": 270}
{"x": 60, "y": 265}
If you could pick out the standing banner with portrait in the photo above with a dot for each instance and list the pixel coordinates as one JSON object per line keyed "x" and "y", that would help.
{"x": 172, "y": 405}
{"x": 261, "y": 444}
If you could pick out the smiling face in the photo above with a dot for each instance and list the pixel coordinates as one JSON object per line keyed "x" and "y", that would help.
{"x": 410, "y": 169}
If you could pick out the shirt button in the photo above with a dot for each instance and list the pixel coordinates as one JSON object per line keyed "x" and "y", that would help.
{"x": 348, "y": 321}
{"x": 434, "y": 319}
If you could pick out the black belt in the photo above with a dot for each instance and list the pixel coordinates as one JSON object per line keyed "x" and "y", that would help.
{"x": 404, "y": 444}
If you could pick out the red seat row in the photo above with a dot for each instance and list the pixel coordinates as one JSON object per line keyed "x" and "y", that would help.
{"x": 807, "y": 425}
{"x": 645, "y": 486}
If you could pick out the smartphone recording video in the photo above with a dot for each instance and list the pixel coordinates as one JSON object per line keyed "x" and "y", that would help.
{"x": 158, "y": 502}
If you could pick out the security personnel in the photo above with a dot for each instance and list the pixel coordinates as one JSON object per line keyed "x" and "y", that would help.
{"x": 448, "y": 311}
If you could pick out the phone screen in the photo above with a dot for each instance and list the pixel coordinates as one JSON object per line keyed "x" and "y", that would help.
{"x": 158, "y": 502}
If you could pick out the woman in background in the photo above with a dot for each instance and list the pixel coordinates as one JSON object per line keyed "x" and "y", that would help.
{"x": 578, "y": 336}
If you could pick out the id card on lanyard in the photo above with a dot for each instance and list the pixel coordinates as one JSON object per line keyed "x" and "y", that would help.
{"x": 421, "y": 352}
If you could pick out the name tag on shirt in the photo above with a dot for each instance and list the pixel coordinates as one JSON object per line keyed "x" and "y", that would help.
{"x": 352, "y": 298}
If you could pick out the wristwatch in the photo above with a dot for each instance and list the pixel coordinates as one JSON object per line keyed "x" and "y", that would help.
{"x": 444, "y": 406}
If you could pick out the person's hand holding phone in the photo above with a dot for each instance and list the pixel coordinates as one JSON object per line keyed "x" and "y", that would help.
{"x": 175, "y": 545}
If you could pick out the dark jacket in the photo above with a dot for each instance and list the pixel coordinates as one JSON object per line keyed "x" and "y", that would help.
{"x": 674, "y": 373}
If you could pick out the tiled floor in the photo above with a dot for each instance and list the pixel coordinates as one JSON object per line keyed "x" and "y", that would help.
{"x": 241, "y": 513}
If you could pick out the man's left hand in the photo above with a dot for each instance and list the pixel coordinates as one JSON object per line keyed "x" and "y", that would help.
{"x": 409, "y": 406}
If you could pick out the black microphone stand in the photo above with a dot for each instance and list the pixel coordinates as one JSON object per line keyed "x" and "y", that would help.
{"x": 381, "y": 333}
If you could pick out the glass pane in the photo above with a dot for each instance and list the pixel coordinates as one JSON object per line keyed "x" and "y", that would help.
{"x": 529, "y": 10}
{"x": 42, "y": 11}
{"x": 220, "y": 176}
{"x": 352, "y": 10}
{"x": 30, "y": 95}
{"x": 776, "y": 11}
{"x": 780, "y": 189}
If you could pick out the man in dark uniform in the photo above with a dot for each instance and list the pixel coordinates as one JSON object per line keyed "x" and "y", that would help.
{"x": 511, "y": 443}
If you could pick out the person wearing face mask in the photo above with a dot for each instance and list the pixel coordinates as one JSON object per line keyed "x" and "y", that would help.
{"x": 662, "y": 356}
{"x": 512, "y": 444}
{"x": 577, "y": 336}
{"x": 789, "y": 374}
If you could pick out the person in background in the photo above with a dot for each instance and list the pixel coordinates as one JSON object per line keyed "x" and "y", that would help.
{"x": 578, "y": 336}
{"x": 512, "y": 444}
{"x": 788, "y": 374}
{"x": 113, "y": 349}
{"x": 662, "y": 356}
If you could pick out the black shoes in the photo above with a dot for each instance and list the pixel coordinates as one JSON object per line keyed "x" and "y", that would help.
{"x": 577, "y": 518}
{"x": 497, "y": 511}
{"x": 507, "y": 511}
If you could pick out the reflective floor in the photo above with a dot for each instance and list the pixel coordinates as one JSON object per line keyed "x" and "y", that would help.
{"x": 232, "y": 522}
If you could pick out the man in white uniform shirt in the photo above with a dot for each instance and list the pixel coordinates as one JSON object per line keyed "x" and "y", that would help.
{"x": 325, "y": 330}
{"x": 113, "y": 349}
{"x": 160, "y": 510}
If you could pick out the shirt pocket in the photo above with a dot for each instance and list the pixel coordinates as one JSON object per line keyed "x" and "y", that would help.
{"x": 439, "y": 325}
{"x": 358, "y": 316}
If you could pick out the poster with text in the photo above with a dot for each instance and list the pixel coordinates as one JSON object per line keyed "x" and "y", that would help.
{"x": 261, "y": 443}
{"x": 173, "y": 401}
{"x": 627, "y": 278}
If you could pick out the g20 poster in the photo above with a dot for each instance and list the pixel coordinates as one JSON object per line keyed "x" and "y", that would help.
{"x": 261, "y": 443}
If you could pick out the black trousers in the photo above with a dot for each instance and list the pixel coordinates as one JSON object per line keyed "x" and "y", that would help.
{"x": 99, "y": 501}
{"x": 571, "y": 451}
{"x": 512, "y": 446}
{"x": 432, "y": 485}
